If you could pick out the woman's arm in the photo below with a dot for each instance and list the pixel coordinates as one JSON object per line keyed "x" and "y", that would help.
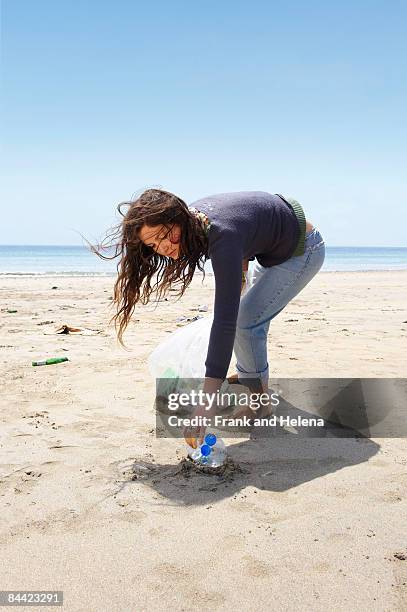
{"x": 226, "y": 259}
{"x": 224, "y": 293}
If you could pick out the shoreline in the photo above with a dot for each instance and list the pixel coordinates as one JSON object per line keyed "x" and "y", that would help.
{"x": 74, "y": 274}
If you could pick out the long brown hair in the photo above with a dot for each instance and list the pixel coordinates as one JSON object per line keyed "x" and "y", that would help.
{"x": 139, "y": 263}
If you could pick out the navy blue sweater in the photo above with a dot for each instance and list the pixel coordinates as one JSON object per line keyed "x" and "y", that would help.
{"x": 244, "y": 225}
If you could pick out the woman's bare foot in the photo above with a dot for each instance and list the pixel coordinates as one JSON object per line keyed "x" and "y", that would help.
{"x": 244, "y": 411}
{"x": 257, "y": 387}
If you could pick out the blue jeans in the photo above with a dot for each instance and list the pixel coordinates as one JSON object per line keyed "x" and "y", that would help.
{"x": 268, "y": 293}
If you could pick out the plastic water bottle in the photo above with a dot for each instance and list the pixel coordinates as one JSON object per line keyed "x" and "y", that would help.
{"x": 212, "y": 453}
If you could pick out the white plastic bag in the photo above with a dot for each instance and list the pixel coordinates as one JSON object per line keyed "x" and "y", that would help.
{"x": 179, "y": 360}
{"x": 183, "y": 353}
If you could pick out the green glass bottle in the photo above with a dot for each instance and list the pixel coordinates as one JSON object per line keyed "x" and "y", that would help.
{"x": 50, "y": 361}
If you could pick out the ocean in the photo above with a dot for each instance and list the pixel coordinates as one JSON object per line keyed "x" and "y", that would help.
{"x": 78, "y": 260}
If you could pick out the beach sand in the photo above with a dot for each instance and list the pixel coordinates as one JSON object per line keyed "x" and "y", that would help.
{"x": 93, "y": 504}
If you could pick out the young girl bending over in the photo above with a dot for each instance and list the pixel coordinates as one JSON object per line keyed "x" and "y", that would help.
{"x": 161, "y": 235}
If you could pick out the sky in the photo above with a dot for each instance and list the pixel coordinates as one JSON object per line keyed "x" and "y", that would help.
{"x": 101, "y": 100}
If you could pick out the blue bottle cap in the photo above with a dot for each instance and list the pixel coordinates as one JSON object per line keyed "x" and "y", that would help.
{"x": 205, "y": 450}
{"x": 210, "y": 439}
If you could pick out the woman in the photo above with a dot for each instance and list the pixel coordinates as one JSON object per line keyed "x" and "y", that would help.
{"x": 160, "y": 235}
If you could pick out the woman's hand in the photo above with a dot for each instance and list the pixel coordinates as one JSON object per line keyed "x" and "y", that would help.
{"x": 195, "y": 435}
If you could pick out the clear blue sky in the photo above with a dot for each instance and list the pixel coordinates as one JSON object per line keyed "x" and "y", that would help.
{"x": 102, "y": 99}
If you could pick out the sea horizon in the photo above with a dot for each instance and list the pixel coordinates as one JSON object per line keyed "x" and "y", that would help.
{"x": 33, "y": 260}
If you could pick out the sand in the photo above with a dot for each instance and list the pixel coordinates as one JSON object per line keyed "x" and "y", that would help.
{"x": 92, "y": 503}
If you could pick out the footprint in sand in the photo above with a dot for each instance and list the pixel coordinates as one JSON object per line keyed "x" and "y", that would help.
{"x": 132, "y": 516}
{"x": 214, "y": 598}
{"x": 233, "y": 542}
{"x": 157, "y": 532}
{"x": 170, "y": 570}
{"x": 21, "y": 480}
{"x": 256, "y": 568}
